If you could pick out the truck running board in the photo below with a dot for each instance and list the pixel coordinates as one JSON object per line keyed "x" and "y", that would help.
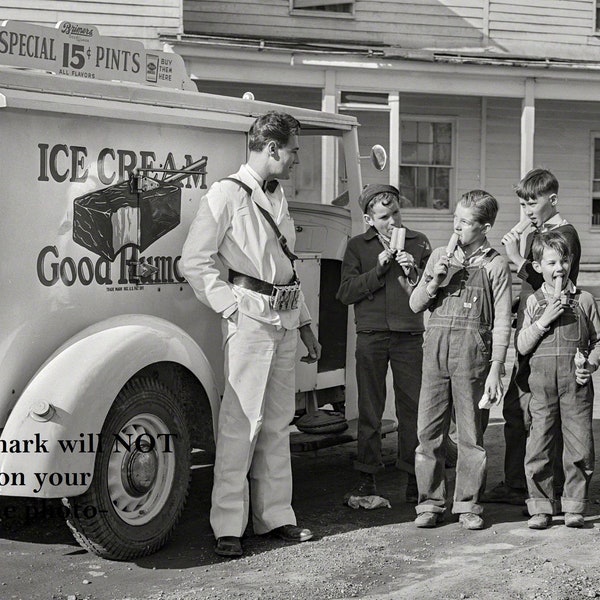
{"x": 304, "y": 442}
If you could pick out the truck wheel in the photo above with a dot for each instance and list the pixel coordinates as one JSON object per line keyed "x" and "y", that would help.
{"x": 141, "y": 478}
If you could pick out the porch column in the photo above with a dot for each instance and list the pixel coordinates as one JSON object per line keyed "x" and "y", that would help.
{"x": 394, "y": 149}
{"x": 328, "y": 142}
{"x": 527, "y": 127}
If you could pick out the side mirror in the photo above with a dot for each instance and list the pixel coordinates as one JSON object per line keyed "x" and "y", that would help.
{"x": 378, "y": 157}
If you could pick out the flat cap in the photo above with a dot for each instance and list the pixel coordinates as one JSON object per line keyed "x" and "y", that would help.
{"x": 370, "y": 191}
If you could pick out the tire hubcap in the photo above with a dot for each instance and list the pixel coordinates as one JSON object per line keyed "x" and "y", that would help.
{"x": 140, "y": 471}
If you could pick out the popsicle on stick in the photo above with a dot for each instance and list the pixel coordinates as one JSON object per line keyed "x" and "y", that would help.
{"x": 521, "y": 226}
{"x": 558, "y": 284}
{"x": 451, "y": 247}
{"x": 398, "y": 238}
{"x": 394, "y": 238}
{"x": 401, "y": 238}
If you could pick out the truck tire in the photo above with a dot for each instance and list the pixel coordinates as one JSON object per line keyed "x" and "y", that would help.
{"x": 139, "y": 487}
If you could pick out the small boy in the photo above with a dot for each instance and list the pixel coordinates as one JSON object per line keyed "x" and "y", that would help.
{"x": 559, "y": 320}
{"x": 468, "y": 291}
{"x": 378, "y": 281}
{"x": 538, "y": 197}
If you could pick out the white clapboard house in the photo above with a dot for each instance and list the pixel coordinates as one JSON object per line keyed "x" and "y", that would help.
{"x": 462, "y": 93}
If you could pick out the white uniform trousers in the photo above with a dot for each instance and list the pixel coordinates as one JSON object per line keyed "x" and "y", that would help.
{"x": 253, "y": 429}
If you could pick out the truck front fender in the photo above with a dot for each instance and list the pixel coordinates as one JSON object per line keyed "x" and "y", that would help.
{"x": 78, "y": 385}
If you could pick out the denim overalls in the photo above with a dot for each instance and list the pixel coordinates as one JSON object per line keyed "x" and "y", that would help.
{"x": 457, "y": 351}
{"x": 558, "y": 403}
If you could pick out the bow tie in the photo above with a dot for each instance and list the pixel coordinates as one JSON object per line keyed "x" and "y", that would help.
{"x": 270, "y": 186}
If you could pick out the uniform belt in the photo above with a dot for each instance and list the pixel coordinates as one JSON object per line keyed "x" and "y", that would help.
{"x": 250, "y": 283}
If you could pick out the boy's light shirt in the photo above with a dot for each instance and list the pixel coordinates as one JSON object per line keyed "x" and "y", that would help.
{"x": 552, "y": 223}
{"x": 531, "y": 332}
{"x": 474, "y": 257}
{"x": 549, "y": 289}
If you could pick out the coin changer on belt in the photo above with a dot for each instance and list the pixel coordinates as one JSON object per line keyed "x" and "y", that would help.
{"x": 285, "y": 297}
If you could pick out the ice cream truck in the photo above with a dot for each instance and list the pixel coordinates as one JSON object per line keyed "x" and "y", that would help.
{"x": 111, "y": 370}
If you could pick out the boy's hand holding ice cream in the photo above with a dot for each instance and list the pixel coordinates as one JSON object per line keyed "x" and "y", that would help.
{"x": 440, "y": 269}
{"x": 583, "y": 368}
{"x": 397, "y": 241}
{"x": 511, "y": 240}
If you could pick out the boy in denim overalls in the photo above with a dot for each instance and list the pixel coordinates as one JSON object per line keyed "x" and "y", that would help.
{"x": 559, "y": 320}
{"x": 468, "y": 291}
{"x": 538, "y": 197}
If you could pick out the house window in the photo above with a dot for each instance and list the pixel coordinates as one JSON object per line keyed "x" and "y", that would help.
{"x": 597, "y": 23}
{"x": 329, "y": 7}
{"x": 426, "y": 163}
{"x": 596, "y": 182}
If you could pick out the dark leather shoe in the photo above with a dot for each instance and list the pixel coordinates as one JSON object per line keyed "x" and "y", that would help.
{"x": 229, "y": 546}
{"x": 292, "y": 533}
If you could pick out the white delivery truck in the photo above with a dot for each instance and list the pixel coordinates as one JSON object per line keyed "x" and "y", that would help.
{"x": 110, "y": 369}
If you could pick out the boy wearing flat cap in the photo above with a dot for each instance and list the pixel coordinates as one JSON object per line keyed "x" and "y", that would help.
{"x": 378, "y": 280}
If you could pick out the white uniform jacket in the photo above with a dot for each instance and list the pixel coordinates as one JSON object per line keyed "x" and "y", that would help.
{"x": 229, "y": 225}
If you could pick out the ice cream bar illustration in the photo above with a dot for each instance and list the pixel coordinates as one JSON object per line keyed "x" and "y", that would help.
{"x": 558, "y": 283}
{"x": 579, "y": 359}
{"x": 106, "y": 220}
{"x": 451, "y": 247}
{"x": 398, "y": 238}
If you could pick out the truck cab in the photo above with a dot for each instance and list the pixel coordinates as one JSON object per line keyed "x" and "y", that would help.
{"x": 111, "y": 369}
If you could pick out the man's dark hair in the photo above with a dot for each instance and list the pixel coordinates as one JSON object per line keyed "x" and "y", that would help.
{"x": 272, "y": 126}
{"x": 537, "y": 183}
{"x": 484, "y": 205}
{"x": 551, "y": 239}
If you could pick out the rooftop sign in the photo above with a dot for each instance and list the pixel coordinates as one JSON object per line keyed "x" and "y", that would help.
{"x": 78, "y": 50}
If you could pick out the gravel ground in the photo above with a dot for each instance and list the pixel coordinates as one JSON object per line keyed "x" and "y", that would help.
{"x": 375, "y": 554}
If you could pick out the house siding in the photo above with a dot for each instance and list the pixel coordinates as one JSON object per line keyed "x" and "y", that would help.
{"x": 135, "y": 20}
{"x": 562, "y": 145}
{"x": 410, "y": 24}
{"x": 561, "y": 28}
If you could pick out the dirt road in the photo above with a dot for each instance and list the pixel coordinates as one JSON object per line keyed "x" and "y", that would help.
{"x": 355, "y": 554}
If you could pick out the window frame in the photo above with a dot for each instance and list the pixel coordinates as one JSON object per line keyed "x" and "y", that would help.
{"x": 420, "y": 211}
{"x": 316, "y": 13}
{"x": 595, "y": 227}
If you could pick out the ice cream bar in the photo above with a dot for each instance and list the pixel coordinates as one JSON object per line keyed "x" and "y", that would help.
{"x": 580, "y": 359}
{"x": 398, "y": 238}
{"x": 451, "y": 247}
{"x": 521, "y": 226}
{"x": 558, "y": 283}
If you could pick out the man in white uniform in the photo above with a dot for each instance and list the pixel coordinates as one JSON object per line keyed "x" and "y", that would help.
{"x": 260, "y": 333}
